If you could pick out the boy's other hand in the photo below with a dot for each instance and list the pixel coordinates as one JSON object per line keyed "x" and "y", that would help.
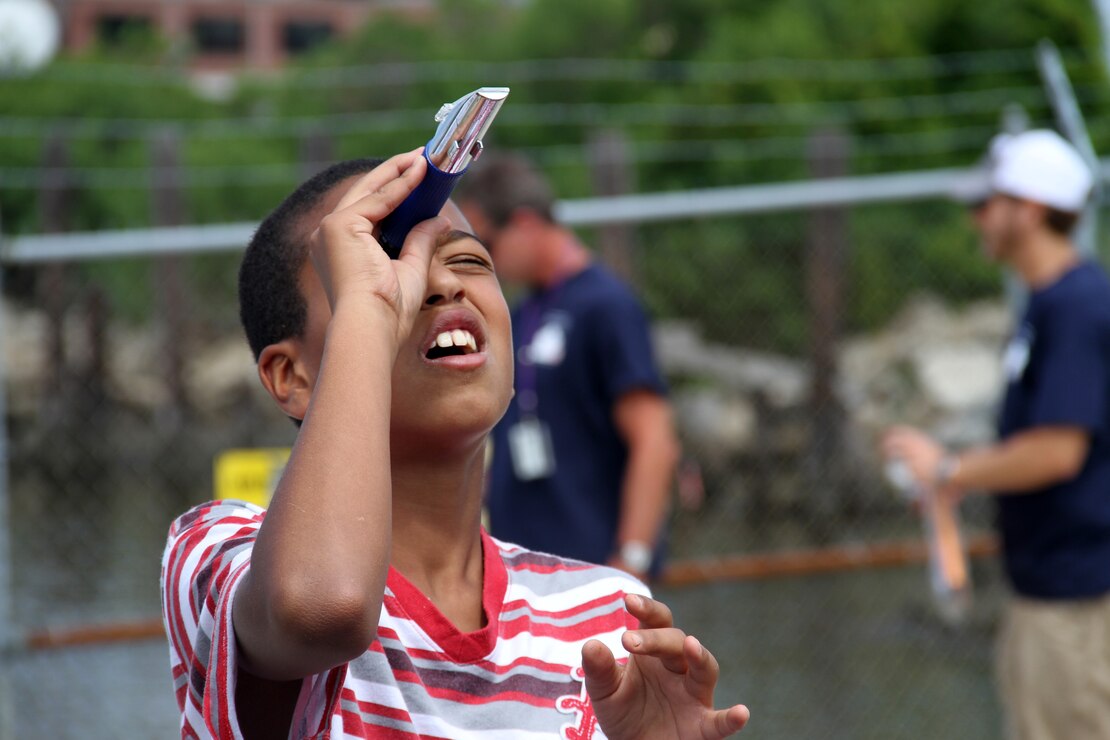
{"x": 348, "y": 258}
{"x": 666, "y": 688}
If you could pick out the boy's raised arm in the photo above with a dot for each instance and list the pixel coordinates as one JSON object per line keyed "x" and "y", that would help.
{"x": 312, "y": 597}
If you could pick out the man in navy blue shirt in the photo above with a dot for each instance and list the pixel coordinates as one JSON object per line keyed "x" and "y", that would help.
{"x": 1050, "y": 469}
{"x": 583, "y": 459}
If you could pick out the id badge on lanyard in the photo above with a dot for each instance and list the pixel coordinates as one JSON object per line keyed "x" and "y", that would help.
{"x": 530, "y": 445}
{"x": 531, "y": 450}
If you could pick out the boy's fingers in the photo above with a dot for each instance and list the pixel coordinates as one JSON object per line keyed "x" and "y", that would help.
{"x": 602, "y": 674}
{"x": 421, "y": 242}
{"x": 376, "y": 205}
{"x": 663, "y": 644}
{"x": 704, "y": 670}
{"x": 725, "y": 722}
{"x": 651, "y": 613}
{"x": 373, "y": 180}
{"x": 398, "y": 174}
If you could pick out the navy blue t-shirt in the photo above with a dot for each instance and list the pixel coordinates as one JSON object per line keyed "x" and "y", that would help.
{"x": 1056, "y": 542}
{"x": 590, "y": 344}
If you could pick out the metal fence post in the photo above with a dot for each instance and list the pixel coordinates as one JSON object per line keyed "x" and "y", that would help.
{"x": 1072, "y": 125}
{"x": 1015, "y": 119}
{"x": 1102, "y": 10}
{"x": 611, "y": 174}
{"x": 7, "y": 631}
{"x": 825, "y": 266}
{"x": 168, "y": 209}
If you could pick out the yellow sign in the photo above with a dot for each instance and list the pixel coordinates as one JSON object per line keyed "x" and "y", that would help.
{"x": 249, "y": 475}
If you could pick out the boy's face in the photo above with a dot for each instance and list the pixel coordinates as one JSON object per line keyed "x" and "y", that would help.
{"x": 453, "y": 376}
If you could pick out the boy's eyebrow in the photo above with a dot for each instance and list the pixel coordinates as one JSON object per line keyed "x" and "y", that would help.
{"x": 456, "y": 234}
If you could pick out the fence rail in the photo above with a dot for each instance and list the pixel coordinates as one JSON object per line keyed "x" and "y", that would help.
{"x": 638, "y": 208}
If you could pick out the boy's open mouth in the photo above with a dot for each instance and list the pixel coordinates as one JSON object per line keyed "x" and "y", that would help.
{"x": 451, "y": 344}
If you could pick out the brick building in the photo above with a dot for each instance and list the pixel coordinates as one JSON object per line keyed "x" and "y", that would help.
{"x": 228, "y": 34}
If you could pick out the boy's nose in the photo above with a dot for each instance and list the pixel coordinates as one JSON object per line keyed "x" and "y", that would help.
{"x": 444, "y": 286}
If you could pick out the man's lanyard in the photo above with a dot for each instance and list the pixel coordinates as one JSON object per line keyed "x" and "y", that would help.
{"x": 531, "y": 319}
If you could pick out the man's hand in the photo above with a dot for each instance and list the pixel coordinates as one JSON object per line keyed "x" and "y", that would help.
{"x": 665, "y": 690}
{"x": 920, "y": 453}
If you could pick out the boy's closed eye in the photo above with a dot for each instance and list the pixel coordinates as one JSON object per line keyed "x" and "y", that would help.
{"x": 462, "y": 249}
{"x": 471, "y": 260}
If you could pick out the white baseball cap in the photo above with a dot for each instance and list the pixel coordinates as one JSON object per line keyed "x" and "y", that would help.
{"x": 1040, "y": 166}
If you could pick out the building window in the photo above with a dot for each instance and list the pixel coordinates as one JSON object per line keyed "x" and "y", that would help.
{"x": 218, "y": 35}
{"x": 301, "y": 36}
{"x": 117, "y": 30}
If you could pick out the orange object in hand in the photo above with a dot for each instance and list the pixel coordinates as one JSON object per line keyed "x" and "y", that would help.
{"x": 948, "y": 569}
{"x": 949, "y": 577}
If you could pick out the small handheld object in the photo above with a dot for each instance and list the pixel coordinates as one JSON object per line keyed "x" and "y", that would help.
{"x": 457, "y": 142}
{"x": 948, "y": 570}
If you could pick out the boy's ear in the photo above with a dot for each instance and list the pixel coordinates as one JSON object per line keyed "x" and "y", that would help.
{"x": 285, "y": 377}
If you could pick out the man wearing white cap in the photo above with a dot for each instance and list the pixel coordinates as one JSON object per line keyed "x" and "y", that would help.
{"x": 1050, "y": 469}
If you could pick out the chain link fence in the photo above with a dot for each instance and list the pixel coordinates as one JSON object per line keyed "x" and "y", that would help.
{"x": 790, "y": 338}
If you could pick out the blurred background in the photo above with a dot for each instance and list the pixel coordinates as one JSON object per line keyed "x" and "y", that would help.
{"x": 774, "y": 178}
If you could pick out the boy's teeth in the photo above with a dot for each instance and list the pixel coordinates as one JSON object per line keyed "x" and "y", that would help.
{"x": 455, "y": 338}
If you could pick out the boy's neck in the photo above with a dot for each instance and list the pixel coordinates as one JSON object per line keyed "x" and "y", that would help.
{"x": 437, "y": 543}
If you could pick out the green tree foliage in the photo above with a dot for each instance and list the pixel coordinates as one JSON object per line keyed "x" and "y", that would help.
{"x": 727, "y": 94}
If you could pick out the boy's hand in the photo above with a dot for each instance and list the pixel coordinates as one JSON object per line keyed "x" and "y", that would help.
{"x": 666, "y": 688}
{"x": 350, "y": 261}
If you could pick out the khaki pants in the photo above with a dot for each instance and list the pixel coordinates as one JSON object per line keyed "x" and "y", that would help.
{"x": 1054, "y": 669}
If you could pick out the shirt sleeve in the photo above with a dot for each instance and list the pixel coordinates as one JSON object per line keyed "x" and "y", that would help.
{"x": 207, "y": 554}
{"x": 625, "y": 349}
{"x": 1072, "y": 373}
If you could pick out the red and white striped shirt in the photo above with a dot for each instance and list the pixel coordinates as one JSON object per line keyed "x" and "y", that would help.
{"x": 518, "y": 677}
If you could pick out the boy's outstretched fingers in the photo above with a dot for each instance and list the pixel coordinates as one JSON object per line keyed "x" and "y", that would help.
{"x": 666, "y": 644}
{"x": 701, "y": 680}
{"x": 651, "y": 613}
{"x": 725, "y": 722}
{"x": 703, "y": 669}
{"x": 666, "y": 687}
{"x": 603, "y": 675}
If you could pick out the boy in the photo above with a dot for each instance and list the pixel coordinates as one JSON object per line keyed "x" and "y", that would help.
{"x": 367, "y": 601}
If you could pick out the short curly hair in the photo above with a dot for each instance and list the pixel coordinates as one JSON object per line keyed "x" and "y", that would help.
{"x": 271, "y": 305}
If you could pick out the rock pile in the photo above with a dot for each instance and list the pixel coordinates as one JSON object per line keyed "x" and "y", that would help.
{"x": 932, "y": 367}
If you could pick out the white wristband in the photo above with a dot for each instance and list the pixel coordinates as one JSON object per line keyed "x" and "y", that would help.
{"x": 636, "y": 555}
{"x": 946, "y": 469}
